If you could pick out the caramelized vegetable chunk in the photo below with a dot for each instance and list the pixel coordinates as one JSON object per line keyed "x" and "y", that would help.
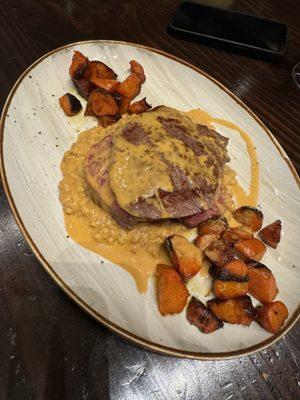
{"x": 251, "y": 249}
{"x": 236, "y": 311}
{"x": 235, "y": 270}
{"x": 101, "y": 103}
{"x": 79, "y": 65}
{"x": 214, "y": 227}
{"x": 106, "y": 120}
{"x": 250, "y": 217}
{"x": 270, "y": 234}
{"x": 199, "y": 315}
{"x": 219, "y": 253}
{"x": 229, "y": 289}
{"x": 139, "y": 107}
{"x": 84, "y": 87}
{"x": 185, "y": 257}
{"x": 99, "y": 70}
{"x": 262, "y": 284}
{"x": 70, "y": 104}
{"x": 137, "y": 69}
{"x": 122, "y": 102}
{"x": 232, "y": 235}
{"x": 107, "y": 84}
{"x": 203, "y": 241}
{"x": 130, "y": 87}
{"x": 172, "y": 293}
{"x": 272, "y": 316}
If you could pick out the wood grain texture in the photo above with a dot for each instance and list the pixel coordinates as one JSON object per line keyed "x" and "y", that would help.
{"x": 49, "y": 348}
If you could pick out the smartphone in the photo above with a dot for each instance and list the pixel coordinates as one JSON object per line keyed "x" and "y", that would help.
{"x": 230, "y": 30}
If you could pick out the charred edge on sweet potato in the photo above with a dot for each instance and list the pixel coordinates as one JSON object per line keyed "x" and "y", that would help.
{"x": 137, "y": 69}
{"x": 219, "y": 253}
{"x": 239, "y": 310}
{"x": 270, "y": 234}
{"x": 232, "y": 235}
{"x": 101, "y": 103}
{"x": 70, "y": 104}
{"x": 204, "y": 241}
{"x": 250, "y": 217}
{"x": 200, "y": 316}
{"x": 185, "y": 257}
{"x": 78, "y": 65}
{"x": 262, "y": 283}
{"x": 236, "y": 271}
{"x": 139, "y": 107}
{"x": 84, "y": 87}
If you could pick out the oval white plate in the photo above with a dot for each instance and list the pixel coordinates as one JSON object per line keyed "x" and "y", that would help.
{"x": 35, "y": 135}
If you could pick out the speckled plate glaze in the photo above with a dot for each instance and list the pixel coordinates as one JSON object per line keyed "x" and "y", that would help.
{"x": 35, "y": 135}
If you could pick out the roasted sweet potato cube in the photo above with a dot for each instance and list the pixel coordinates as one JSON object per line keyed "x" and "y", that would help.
{"x": 70, "y": 104}
{"x": 251, "y": 249}
{"x": 272, "y": 316}
{"x": 109, "y": 85}
{"x": 270, "y": 234}
{"x": 232, "y": 235}
{"x": 199, "y": 315}
{"x": 250, "y": 217}
{"x": 106, "y": 120}
{"x": 100, "y": 103}
{"x": 139, "y": 107}
{"x": 78, "y": 66}
{"x": 219, "y": 253}
{"x": 262, "y": 284}
{"x": 84, "y": 87}
{"x": 213, "y": 226}
{"x": 137, "y": 69}
{"x": 130, "y": 87}
{"x": 185, "y": 257}
{"x": 239, "y": 310}
{"x": 203, "y": 241}
{"x": 172, "y": 293}
{"x": 99, "y": 70}
{"x": 229, "y": 289}
{"x": 235, "y": 270}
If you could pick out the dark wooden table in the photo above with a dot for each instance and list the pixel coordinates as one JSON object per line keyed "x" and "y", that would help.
{"x": 49, "y": 348}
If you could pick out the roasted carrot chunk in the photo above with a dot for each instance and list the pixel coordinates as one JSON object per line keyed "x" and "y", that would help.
{"x": 79, "y": 65}
{"x": 84, "y": 87}
{"x": 130, "y": 87}
{"x": 251, "y": 249}
{"x": 229, "y": 289}
{"x": 70, "y": 104}
{"x": 235, "y": 270}
{"x": 232, "y": 235}
{"x": 99, "y": 70}
{"x": 203, "y": 241}
{"x": 101, "y": 103}
{"x": 219, "y": 253}
{"x": 262, "y": 284}
{"x": 199, "y": 315}
{"x": 172, "y": 293}
{"x": 139, "y": 107}
{"x": 239, "y": 310}
{"x": 137, "y": 69}
{"x": 250, "y": 217}
{"x": 107, "y": 84}
{"x": 213, "y": 226}
{"x": 185, "y": 257}
{"x": 272, "y": 316}
{"x": 270, "y": 234}
{"x": 106, "y": 120}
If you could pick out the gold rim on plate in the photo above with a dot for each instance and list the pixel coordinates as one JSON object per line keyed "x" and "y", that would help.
{"x": 113, "y": 327}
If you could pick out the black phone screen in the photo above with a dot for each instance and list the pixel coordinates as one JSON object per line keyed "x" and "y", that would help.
{"x": 231, "y": 26}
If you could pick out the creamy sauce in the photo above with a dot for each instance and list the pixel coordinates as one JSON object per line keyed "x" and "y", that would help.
{"x": 140, "y": 249}
{"x": 241, "y": 197}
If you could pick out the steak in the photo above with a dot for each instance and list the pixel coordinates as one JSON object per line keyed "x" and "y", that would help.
{"x": 163, "y": 165}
